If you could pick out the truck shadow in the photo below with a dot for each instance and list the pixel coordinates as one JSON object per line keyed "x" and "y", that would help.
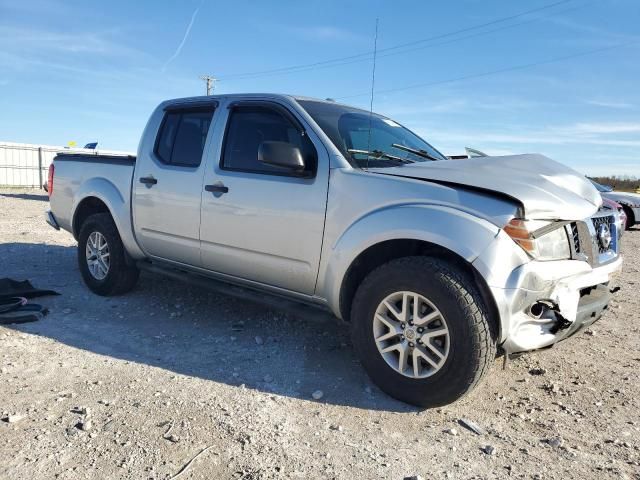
{"x": 28, "y": 196}
{"x": 190, "y": 331}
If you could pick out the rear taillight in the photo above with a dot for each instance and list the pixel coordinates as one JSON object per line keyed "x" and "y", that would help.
{"x": 50, "y": 180}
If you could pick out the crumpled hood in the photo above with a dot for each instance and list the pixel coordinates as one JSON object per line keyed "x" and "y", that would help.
{"x": 546, "y": 189}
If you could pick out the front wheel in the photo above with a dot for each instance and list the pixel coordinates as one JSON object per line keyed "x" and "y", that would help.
{"x": 102, "y": 257}
{"x": 421, "y": 331}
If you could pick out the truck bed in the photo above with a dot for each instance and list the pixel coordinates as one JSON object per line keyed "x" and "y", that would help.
{"x": 80, "y": 174}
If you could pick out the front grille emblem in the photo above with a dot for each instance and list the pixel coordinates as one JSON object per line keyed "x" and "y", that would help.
{"x": 604, "y": 236}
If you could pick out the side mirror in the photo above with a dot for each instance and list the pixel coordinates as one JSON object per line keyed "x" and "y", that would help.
{"x": 281, "y": 154}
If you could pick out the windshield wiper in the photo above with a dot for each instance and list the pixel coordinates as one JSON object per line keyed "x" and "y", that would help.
{"x": 378, "y": 154}
{"x": 419, "y": 152}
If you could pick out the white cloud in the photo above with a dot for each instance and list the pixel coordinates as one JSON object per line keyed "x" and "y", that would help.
{"x": 325, "y": 32}
{"x": 610, "y": 104}
{"x": 184, "y": 40}
{"x": 604, "y": 128}
{"x": 42, "y": 43}
{"x": 549, "y": 136}
{"x": 596, "y": 35}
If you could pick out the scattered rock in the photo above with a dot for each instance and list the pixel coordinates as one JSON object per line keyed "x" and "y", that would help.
{"x": 537, "y": 371}
{"x": 474, "y": 427}
{"x": 554, "y": 442}
{"x": 13, "y": 418}
{"x": 85, "y": 425}
{"x": 590, "y": 332}
{"x": 339, "y": 428}
{"x": 414, "y": 477}
{"x": 317, "y": 395}
{"x": 451, "y": 431}
{"x": 173, "y": 438}
{"x": 490, "y": 450}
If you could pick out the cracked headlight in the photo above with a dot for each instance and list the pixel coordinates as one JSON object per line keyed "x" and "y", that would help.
{"x": 542, "y": 240}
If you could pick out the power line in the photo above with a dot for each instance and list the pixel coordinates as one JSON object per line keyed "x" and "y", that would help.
{"x": 392, "y": 48}
{"x": 432, "y": 45}
{"x": 495, "y": 72}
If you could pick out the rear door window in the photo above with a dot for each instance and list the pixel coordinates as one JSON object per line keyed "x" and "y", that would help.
{"x": 182, "y": 137}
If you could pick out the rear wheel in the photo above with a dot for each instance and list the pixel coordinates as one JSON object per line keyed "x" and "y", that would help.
{"x": 102, "y": 257}
{"x": 421, "y": 331}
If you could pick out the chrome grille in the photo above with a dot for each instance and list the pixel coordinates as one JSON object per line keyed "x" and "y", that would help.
{"x": 585, "y": 240}
{"x": 609, "y": 221}
{"x": 575, "y": 237}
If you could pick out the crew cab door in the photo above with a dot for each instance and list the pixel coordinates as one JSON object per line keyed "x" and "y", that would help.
{"x": 259, "y": 222}
{"x": 167, "y": 184}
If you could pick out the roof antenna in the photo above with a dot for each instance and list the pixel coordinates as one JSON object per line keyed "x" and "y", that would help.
{"x": 373, "y": 82}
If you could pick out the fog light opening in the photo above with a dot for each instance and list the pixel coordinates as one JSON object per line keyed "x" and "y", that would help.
{"x": 537, "y": 309}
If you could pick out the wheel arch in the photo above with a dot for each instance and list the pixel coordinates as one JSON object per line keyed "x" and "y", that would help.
{"x": 99, "y": 195}
{"x": 407, "y": 230}
{"x": 87, "y": 207}
{"x": 383, "y": 252}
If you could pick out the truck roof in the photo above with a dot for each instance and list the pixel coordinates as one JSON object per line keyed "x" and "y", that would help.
{"x": 280, "y": 96}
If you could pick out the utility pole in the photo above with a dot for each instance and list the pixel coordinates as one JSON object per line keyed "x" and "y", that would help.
{"x": 211, "y": 83}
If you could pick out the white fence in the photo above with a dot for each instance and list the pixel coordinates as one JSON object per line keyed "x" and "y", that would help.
{"x": 25, "y": 165}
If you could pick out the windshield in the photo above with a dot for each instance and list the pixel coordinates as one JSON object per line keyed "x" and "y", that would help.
{"x": 601, "y": 188}
{"x": 348, "y": 129}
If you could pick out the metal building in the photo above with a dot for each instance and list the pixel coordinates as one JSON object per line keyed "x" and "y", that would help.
{"x": 26, "y": 165}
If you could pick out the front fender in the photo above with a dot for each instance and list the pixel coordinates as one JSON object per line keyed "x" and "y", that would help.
{"x": 119, "y": 206}
{"x": 455, "y": 230}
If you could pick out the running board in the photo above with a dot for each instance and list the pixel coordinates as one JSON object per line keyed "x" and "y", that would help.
{"x": 253, "y": 295}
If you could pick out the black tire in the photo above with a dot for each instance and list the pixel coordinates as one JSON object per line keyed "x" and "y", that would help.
{"x": 121, "y": 276}
{"x": 472, "y": 347}
{"x": 631, "y": 219}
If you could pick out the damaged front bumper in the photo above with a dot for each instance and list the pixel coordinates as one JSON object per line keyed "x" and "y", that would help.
{"x": 542, "y": 303}
{"x": 570, "y": 295}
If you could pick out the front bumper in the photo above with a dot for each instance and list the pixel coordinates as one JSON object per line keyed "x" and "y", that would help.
{"x": 516, "y": 283}
{"x": 578, "y": 294}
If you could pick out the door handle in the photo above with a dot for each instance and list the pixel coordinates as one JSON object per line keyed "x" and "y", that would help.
{"x": 216, "y": 188}
{"x": 148, "y": 180}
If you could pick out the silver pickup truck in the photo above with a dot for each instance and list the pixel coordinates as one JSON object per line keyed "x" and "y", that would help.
{"x": 436, "y": 265}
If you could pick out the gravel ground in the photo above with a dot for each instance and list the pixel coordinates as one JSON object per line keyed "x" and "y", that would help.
{"x": 137, "y": 386}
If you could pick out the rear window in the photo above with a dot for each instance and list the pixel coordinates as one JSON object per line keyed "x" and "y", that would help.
{"x": 182, "y": 137}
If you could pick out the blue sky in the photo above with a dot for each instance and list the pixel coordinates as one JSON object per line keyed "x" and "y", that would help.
{"x": 94, "y": 70}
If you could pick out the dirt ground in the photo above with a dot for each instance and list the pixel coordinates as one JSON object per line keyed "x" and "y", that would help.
{"x": 136, "y": 386}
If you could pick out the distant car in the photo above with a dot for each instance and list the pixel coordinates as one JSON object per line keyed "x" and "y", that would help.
{"x": 615, "y": 206}
{"x": 630, "y": 202}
